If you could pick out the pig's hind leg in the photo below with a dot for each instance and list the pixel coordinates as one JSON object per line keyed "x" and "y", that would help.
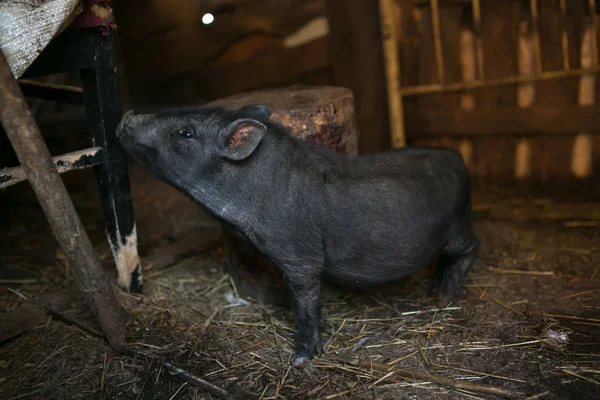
{"x": 452, "y": 267}
{"x": 441, "y": 264}
{"x": 304, "y": 289}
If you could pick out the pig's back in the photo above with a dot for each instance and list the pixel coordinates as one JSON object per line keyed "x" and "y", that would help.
{"x": 413, "y": 162}
{"x": 391, "y": 212}
{"x": 438, "y": 176}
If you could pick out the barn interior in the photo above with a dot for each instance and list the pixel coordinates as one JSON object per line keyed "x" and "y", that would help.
{"x": 510, "y": 84}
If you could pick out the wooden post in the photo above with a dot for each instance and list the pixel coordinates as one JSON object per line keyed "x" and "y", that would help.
{"x": 389, "y": 16}
{"x": 355, "y": 48}
{"x": 315, "y": 114}
{"x": 103, "y": 111}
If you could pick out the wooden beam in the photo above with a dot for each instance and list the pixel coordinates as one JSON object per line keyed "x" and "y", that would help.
{"x": 504, "y": 122}
{"x": 51, "y": 91}
{"x": 64, "y": 163}
{"x": 355, "y": 49}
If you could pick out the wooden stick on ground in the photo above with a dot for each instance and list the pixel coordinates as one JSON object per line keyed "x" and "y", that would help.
{"x": 173, "y": 370}
{"x": 423, "y": 376}
{"x": 197, "y": 381}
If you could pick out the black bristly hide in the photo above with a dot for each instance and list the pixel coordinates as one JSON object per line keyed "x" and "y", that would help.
{"x": 315, "y": 213}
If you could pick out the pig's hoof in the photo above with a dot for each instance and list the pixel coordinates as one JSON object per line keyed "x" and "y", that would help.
{"x": 298, "y": 361}
{"x": 449, "y": 295}
{"x": 447, "y": 300}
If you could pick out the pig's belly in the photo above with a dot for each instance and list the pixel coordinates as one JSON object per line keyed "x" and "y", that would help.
{"x": 365, "y": 273}
{"x": 370, "y": 258}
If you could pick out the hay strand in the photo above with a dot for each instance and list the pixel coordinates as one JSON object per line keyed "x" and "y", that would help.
{"x": 440, "y": 380}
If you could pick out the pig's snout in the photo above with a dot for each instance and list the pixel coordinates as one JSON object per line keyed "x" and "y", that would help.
{"x": 130, "y": 121}
{"x": 125, "y": 123}
{"x": 128, "y": 114}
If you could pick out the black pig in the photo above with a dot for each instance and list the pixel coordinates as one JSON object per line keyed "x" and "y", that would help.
{"x": 357, "y": 220}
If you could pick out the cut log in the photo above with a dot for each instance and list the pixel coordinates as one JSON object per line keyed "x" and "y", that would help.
{"x": 318, "y": 114}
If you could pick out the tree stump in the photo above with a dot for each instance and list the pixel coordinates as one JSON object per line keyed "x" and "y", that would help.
{"x": 318, "y": 114}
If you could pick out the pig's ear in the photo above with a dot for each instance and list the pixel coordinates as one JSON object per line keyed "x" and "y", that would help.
{"x": 257, "y": 111}
{"x": 241, "y": 138}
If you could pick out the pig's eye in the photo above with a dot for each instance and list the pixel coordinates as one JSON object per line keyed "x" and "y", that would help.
{"x": 184, "y": 133}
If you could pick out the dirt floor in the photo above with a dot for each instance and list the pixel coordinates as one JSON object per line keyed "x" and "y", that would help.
{"x": 527, "y": 320}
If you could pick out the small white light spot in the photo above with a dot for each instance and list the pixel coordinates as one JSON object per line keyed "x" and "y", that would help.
{"x": 208, "y": 18}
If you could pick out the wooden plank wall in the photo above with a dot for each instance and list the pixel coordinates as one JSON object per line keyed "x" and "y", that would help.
{"x": 168, "y": 58}
{"x": 355, "y": 48}
{"x": 537, "y": 156}
{"x": 552, "y": 155}
{"x": 450, "y": 27}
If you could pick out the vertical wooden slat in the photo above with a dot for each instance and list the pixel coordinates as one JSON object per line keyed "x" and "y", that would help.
{"x": 551, "y": 155}
{"x": 526, "y": 64}
{"x": 389, "y": 14}
{"x": 409, "y": 49}
{"x": 525, "y": 92}
{"x": 467, "y": 99}
{"x": 450, "y": 17}
{"x": 594, "y": 28}
{"x": 499, "y": 36}
{"x": 495, "y": 156}
{"x": 564, "y": 36}
{"x": 451, "y": 20}
{"x": 451, "y": 24}
{"x": 535, "y": 36}
{"x": 437, "y": 41}
{"x": 581, "y": 159}
{"x": 587, "y": 82}
{"x": 477, "y": 29}
{"x": 468, "y": 66}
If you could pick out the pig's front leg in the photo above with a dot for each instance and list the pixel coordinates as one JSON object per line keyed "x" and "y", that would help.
{"x": 304, "y": 287}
